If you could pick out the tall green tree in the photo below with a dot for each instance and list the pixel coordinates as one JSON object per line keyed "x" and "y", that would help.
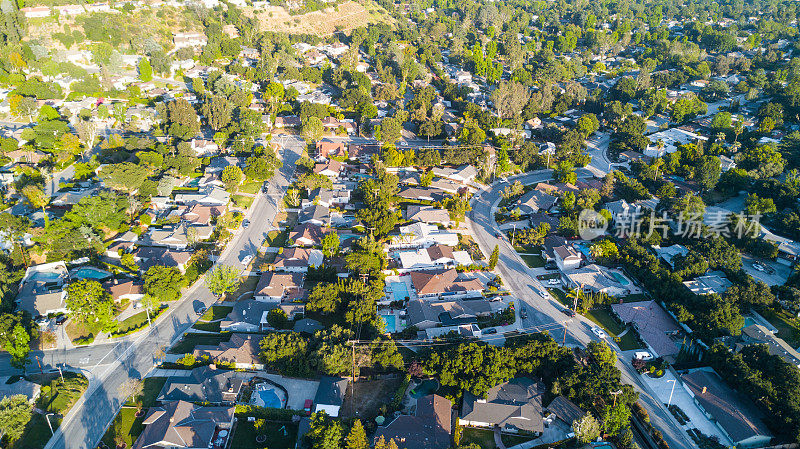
{"x": 495, "y": 257}
{"x": 222, "y": 279}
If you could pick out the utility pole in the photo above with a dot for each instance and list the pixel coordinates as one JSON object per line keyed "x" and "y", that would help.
{"x": 615, "y": 393}
{"x": 565, "y": 336}
{"x": 514, "y": 234}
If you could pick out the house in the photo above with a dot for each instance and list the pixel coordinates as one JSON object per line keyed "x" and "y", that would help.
{"x": 712, "y": 282}
{"x": 670, "y": 140}
{"x": 428, "y": 214}
{"x": 308, "y": 234}
{"x": 567, "y": 258}
{"x": 758, "y": 334}
{"x": 788, "y": 250}
{"x": 426, "y": 314}
{"x": 422, "y": 193}
{"x": 317, "y": 214}
{"x": 551, "y": 242}
{"x": 288, "y": 121}
{"x": 199, "y": 214}
{"x": 208, "y": 196}
{"x": 182, "y": 40}
{"x": 620, "y": 209}
{"x": 251, "y": 316}
{"x": 535, "y": 201}
{"x": 204, "y": 147}
{"x": 594, "y": 278}
{"x": 72, "y": 197}
{"x": 35, "y": 11}
{"x": 422, "y": 235}
{"x": 438, "y": 283}
{"x": 466, "y": 331}
{"x": 330, "y": 395}
{"x": 242, "y": 351}
{"x": 726, "y": 163}
{"x": 204, "y": 384}
{"x": 148, "y": 256}
{"x": 125, "y": 289}
{"x": 42, "y": 291}
{"x": 337, "y": 197}
{"x": 463, "y": 174}
{"x": 514, "y": 406}
{"x": 435, "y": 256}
{"x": 332, "y": 125}
{"x": 181, "y": 424}
{"x": 331, "y": 168}
{"x": 429, "y": 428}
{"x": 656, "y": 327}
{"x": 669, "y": 253}
{"x": 565, "y": 410}
{"x": 734, "y": 414}
{"x": 327, "y": 148}
{"x": 297, "y": 260}
{"x": 275, "y": 287}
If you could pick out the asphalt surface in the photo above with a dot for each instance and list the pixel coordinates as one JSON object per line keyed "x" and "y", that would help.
{"x": 545, "y": 313}
{"x": 109, "y": 365}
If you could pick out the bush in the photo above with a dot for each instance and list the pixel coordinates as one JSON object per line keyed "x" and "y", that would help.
{"x": 269, "y": 414}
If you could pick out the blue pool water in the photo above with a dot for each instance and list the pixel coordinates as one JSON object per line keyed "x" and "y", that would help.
{"x": 399, "y": 291}
{"x": 90, "y": 273}
{"x": 425, "y": 388}
{"x": 269, "y": 398}
{"x": 622, "y": 280}
{"x": 47, "y": 277}
{"x": 583, "y": 247}
{"x": 749, "y": 321}
{"x": 345, "y": 237}
{"x": 391, "y": 323}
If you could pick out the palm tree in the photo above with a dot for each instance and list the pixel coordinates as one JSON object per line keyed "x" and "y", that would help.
{"x": 577, "y": 295}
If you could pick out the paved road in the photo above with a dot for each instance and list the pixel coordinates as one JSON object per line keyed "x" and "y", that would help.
{"x": 544, "y": 313}
{"x": 109, "y": 365}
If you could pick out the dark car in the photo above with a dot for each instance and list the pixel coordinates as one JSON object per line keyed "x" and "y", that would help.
{"x": 569, "y": 312}
{"x": 498, "y": 235}
{"x": 201, "y": 311}
{"x": 307, "y": 406}
{"x": 61, "y": 319}
{"x": 490, "y": 331}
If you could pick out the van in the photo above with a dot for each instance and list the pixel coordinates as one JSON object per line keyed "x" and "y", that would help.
{"x": 643, "y": 355}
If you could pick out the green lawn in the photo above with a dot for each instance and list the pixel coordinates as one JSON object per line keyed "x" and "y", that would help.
{"x": 251, "y": 187}
{"x": 279, "y": 436}
{"x": 636, "y": 297}
{"x": 788, "y": 326}
{"x": 533, "y": 261}
{"x": 528, "y": 249}
{"x": 215, "y": 313}
{"x": 56, "y": 397}
{"x": 210, "y": 327}
{"x": 603, "y": 318}
{"x": 277, "y": 239}
{"x": 189, "y": 341}
{"x": 242, "y": 201}
{"x": 135, "y": 323}
{"x": 513, "y": 440}
{"x": 482, "y": 437}
{"x": 82, "y": 333}
{"x": 125, "y": 428}
{"x": 561, "y": 296}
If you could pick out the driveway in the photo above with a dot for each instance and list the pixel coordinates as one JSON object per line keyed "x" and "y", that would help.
{"x": 774, "y": 273}
{"x": 299, "y": 389}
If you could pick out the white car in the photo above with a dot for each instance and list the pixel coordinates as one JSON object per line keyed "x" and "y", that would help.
{"x": 643, "y": 355}
{"x": 553, "y": 282}
{"x": 758, "y": 266}
{"x": 247, "y": 259}
{"x": 599, "y": 332}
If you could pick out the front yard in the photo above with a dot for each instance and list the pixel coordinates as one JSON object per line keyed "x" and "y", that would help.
{"x": 603, "y": 318}
{"x": 56, "y": 398}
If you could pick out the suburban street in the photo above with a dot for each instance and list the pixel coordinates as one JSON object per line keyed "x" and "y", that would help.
{"x": 109, "y": 365}
{"x": 545, "y": 313}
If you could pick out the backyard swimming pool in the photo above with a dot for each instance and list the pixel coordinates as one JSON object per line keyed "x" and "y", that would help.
{"x": 425, "y": 388}
{"x": 89, "y": 273}
{"x": 399, "y": 291}
{"x": 622, "y": 279}
{"x": 391, "y": 323}
{"x": 266, "y": 395}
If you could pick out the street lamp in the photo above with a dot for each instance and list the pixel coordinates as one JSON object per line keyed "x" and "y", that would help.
{"x": 669, "y": 402}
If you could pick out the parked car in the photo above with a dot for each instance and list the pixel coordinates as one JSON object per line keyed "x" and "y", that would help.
{"x": 643, "y": 355}
{"x": 43, "y": 321}
{"x": 490, "y": 331}
{"x": 307, "y": 406}
{"x": 758, "y": 266}
{"x": 599, "y": 332}
{"x": 245, "y": 223}
{"x": 201, "y": 310}
{"x": 61, "y": 319}
{"x": 553, "y": 282}
{"x": 523, "y": 313}
{"x": 247, "y": 259}
{"x": 498, "y": 234}
{"x": 568, "y": 312}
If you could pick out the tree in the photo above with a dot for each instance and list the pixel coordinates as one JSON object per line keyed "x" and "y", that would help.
{"x": 286, "y": 352}
{"x": 391, "y": 129}
{"x": 145, "y": 70}
{"x": 261, "y": 168}
{"x": 87, "y": 301}
{"x": 222, "y": 279}
{"x": 312, "y": 128}
{"x": 324, "y": 298}
{"x": 15, "y": 413}
{"x": 708, "y": 172}
{"x": 163, "y": 283}
{"x": 586, "y": 429}
{"x": 218, "y": 112}
{"x": 18, "y": 346}
{"x": 127, "y": 176}
{"x": 616, "y": 418}
{"x": 509, "y": 98}
{"x": 357, "y": 438}
{"x": 36, "y": 198}
{"x": 232, "y": 176}
{"x": 330, "y": 244}
{"x": 587, "y": 124}
{"x": 324, "y": 432}
{"x": 494, "y": 257}
{"x": 565, "y": 172}
{"x": 277, "y": 318}
{"x": 458, "y": 206}
{"x": 182, "y": 120}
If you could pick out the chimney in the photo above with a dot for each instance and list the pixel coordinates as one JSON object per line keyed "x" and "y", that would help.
{"x": 704, "y": 390}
